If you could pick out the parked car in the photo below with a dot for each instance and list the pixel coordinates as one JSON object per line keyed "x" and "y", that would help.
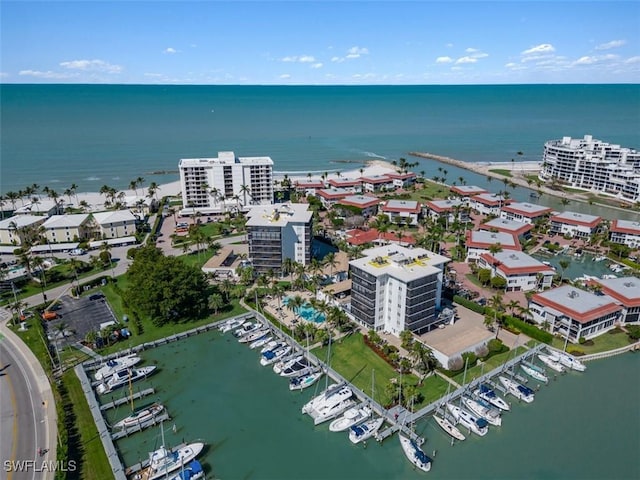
{"x": 96, "y": 296}
{"x": 49, "y": 315}
{"x": 77, "y": 252}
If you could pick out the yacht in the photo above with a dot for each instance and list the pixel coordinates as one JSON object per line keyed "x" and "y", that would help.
{"x": 246, "y": 329}
{"x": 414, "y": 453}
{"x": 192, "y": 471}
{"x": 487, "y": 393}
{"x": 330, "y": 411}
{"x": 449, "y": 427}
{"x": 271, "y": 345}
{"x": 336, "y": 393}
{"x": 351, "y": 417}
{"x": 262, "y": 341}
{"x": 534, "y": 373}
{"x": 113, "y": 366}
{"x": 123, "y": 377}
{"x": 287, "y": 362}
{"x": 483, "y": 409}
{"x": 298, "y": 368}
{"x": 142, "y": 416}
{"x": 476, "y": 424}
{"x": 303, "y": 381}
{"x": 567, "y": 360}
{"x": 551, "y": 363}
{"x": 260, "y": 332}
{"x": 519, "y": 391}
{"x": 162, "y": 462}
{"x": 271, "y": 356}
{"x": 230, "y": 325}
{"x": 365, "y": 430}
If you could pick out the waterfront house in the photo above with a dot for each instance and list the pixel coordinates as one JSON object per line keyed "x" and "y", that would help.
{"x": 330, "y": 196}
{"x": 625, "y": 232}
{"x": 309, "y": 187}
{"x": 365, "y": 205}
{"x": 41, "y": 206}
{"x": 489, "y": 203}
{"x": 465, "y": 192}
{"x": 573, "y": 224}
{"x": 354, "y": 185}
{"x": 626, "y": 291}
{"x": 114, "y": 224}
{"x": 524, "y": 212}
{"x": 401, "y": 210}
{"x": 449, "y": 209}
{"x": 67, "y": 228}
{"x": 520, "y": 271}
{"x": 574, "y": 313}
{"x": 519, "y": 229}
{"x": 402, "y": 180}
{"x": 480, "y": 241}
{"x": 278, "y": 232}
{"x": 377, "y": 183}
{"x": 15, "y": 230}
{"x": 395, "y": 288}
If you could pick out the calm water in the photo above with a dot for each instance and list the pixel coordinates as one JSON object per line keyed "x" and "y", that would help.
{"x": 578, "y": 266}
{"x": 582, "y": 426}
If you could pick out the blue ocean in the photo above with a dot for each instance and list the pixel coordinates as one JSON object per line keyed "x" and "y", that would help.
{"x": 93, "y": 135}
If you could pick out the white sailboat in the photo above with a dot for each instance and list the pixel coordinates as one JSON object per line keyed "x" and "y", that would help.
{"x": 534, "y": 373}
{"x": 412, "y": 450}
{"x": 488, "y": 394}
{"x": 446, "y": 425}
{"x": 518, "y": 390}
{"x": 482, "y": 409}
{"x": 120, "y": 378}
{"x": 567, "y": 360}
{"x": 351, "y": 417}
{"x": 260, "y": 342}
{"x": 474, "y": 423}
{"x": 140, "y": 418}
{"x": 365, "y": 430}
{"x": 551, "y": 363}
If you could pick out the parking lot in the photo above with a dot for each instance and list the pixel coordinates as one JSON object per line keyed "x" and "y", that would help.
{"x": 77, "y": 317}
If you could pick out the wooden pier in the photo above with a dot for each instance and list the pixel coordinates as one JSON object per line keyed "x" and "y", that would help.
{"x": 125, "y": 432}
{"x": 127, "y": 399}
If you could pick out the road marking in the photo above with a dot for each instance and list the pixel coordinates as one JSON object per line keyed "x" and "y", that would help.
{"x": 15, "y": 425}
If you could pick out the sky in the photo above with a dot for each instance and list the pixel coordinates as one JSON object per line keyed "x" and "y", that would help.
{"x": 319, "y": 43}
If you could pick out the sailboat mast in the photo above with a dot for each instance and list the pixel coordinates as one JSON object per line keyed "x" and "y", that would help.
{"x": 131, "y": 390}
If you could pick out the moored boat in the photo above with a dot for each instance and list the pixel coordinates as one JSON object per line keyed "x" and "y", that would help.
{"x": 303, "y": 381}
{"x": 117, "y": 364}
{"x": 271, "y": 345}
{"x": 449, "y": 427}
{"x": 551, "y": 363}
{"x": 336, "y": 393}
{"x": 246, "y": 329}
{"x": 192, "y": 471}
{"x": 328, "y": 412}
{"x": 414, "y": 453}
{"x": 518, "y": 390}
{"x": 230, "y": 325}
{"x": 287, "y": 362}
{"x": 487, "y": 393}
{"x": 351, "y": 417}
{"x": 142, "y": 416}
{"x": 123, "y": 377}
{"x": 262, "y": 341}
{"x": 255, "y": 335}
{"x": 476, "y": 424}
{"x": 534, "y": 373}
{"x": 271, "y": 356}
{"x": 298, "y": 368}
{"x": 482, "y": 409}
{"x": 162, "y": 461}
{"x": 365, "y": 430}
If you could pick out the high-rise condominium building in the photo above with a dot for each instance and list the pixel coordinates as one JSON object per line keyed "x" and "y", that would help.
{"x": 211, "y": 185}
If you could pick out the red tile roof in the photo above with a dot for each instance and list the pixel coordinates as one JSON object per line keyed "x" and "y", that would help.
{"x": 582, "y": 317}
{"x": 619, "y": 229}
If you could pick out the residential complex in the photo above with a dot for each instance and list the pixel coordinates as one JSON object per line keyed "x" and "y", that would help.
{"x": 480, "y": 241}
{"x": 524, "y": 212}
{"x": 279, "y": 232}
{"x": 406, "y": 211}
{"x": 68, "y": 228}
{"x": 519, "y": 229}
{"x": 572, "y": 224}
{"x": 626, "y": 291}
{"x": 395, "y": 288}
{"x": 213, "y": 185}
{"x": 573, "y": 313}
{"x": 488, "y": 203}
{"x": 593, "y": 165}
{"x": 521, "y": 272}
{"x": 625, "y": 232}
{"x": 16, "y": 229}
{"x": 115, "y": 224}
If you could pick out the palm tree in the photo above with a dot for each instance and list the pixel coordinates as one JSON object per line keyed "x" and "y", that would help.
{"x": 244, "y": 191}
{"x": 16, "y": 307}
{"x": 215, "y": 302}
{"x": 74, "y": 189}
{"x": 495, "y": 248}
{"x": 563, "y": 265}
{"x": 294, "y": 304}
{"x": 331, "y": 260}
{"x": 133, "y": 185}
{"x": 496, "y": 304}
{"x": 12, "y": 197}
{"x": 513, "y": 305}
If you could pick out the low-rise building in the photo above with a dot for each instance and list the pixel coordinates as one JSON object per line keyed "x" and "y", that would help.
{"x": 625, "y": 232}
{"x": 402, "y": 210}
{"x": 114, "y": 224}
{"x": 15, "y": 230}
{"x": 626, "y": 291}
{"x": 330, "y": 196}
{"x": 377, "y": 183}
{"x": 309, "y": 187}
{"x": 41, "y": 206}
{"x": 573, "y": 313}
{"x": 573, "y": 224}
{"x": 451, "y": 208}
{"x": 524, "y": 212}
{"x": 466, "y": 192}
{"x": 489, "y": 203}
{"x": 395, "y": 288}
{"x": 480, "y": 241}
{"x": 521, "y": 272}
{"x": 367, "y": 205}
{"x": 354, "y": 185}
{"x": 519, "y": 229}
{"x": 67, "y": 228}
{"x": 402, "y": 180}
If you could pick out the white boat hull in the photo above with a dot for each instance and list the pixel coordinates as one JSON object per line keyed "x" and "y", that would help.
{"x": 552, "y": 364}
{"x": 490, "y": 415}
{"x": 535, "y": 374}
{"x": 449, "y": 428}
{"x": 489, "y": 395}
{"x": 163, "y": 463}
{"x": 140, "y": 418}
{"x": 514, "y": 389}
{"x": 331, "y": 412}
{"x": 114, "y": 366}
{"x": 415, "y": 454}
{"x": 351, "y": 417}
{"x": 366, "y": 430}
{"x": 468, "y": 420}
{"x": 305, "y": 381}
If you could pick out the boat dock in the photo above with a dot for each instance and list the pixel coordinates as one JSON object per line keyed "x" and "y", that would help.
{"x": 127, "y": 399}
{"x": 131, "y": 471}
{"x": 125, "y": 432}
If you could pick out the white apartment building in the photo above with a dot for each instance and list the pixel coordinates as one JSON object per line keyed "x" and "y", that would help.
{"x": 480, "y": 241}
{"x": 395, "y": 288}
{"x": 114, "y": 224}
{"x": 625, "y": 232}
{"x": 593, "y": 165}
{"x": 402, "y": 210}
{"x": 524, "y": 212}
{"x": 15, "y": 230}
{"x": 573, "y": 224}
{"x": 626, "y": 291}
{"x": 279, "y": 232}
{"x": 489, "y": 203}
{"x": 450, "y": 209}
{"x": 522, "y": 272}
{"x": 574, "y": 313}
{"x": 214, "y": 185}
{"x": 67, "y": 228}
{"x": 465, "y": 192}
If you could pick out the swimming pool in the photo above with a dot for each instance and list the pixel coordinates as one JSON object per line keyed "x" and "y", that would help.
{"x": 307, "y": 312}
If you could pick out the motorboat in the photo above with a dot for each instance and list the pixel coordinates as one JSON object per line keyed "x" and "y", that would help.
{"x": 142, "y": 416}
{"x": 192, "y": 471}
{"x": 123, "y": 377}
{"x": 246, "y": 329}
{"x": 567, "y": 360}
{"x": 271, "y": 345}
{"x": 449, "y": 427}
{"x": 414, "y": 453}
{"x": 287, "y": 362}
{"x": 113, "y": 366}
{"x": 271, "y": 356}
{"x": 487, "y": 393}
{"x": 474, "y": 423}
{"x": 518, "y": 390}
{"x": 534, "y": 373}
{"x": 365, "y": 430}
{"x": 255, "y": 335}
{"x": 297, "y": 368}
{"x": 599, "y": 258}
{"x": 483, "y": 409}
{"x": 551, "y": 363}
{"x": 260, "y": 342}
{"x": 230, "y": 325}
{"x": 336, "y": 393}
{"x": 303, "y": 381}
{"x": 329, "y": 411}
{"x": 164, "y": 461}
{"x": 351, "y": 417}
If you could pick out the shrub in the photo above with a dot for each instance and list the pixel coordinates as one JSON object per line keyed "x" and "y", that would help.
{"x": 469, "y": 304}
{"x": 495, "y": 345}
{"x": 575, "y": 352}
{"x": 582, "y": 340}
{"x": 482, "y": 351}
{"x": 498, "y": 282}
{"x": 633, "y": 331}
{"x": 528, "y": 329}
{"x": 469, "y": 358}
{"x": 455, "y": 364}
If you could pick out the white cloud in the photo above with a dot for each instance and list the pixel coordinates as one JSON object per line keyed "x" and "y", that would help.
{"x": 298, "y": 59}
{"x": 352, "y": 53}
{"x": 449, "y": 45}
{"x": 92, "y": 66}
{"x": 337, "y": 59}
{"x": 306, "y": 59}
{"x": 471, "y": 50}
{"x": 591, "y": 59}
{"x": 542, "y": 48}
{"x": 632, "y": 60}
{"x": 47, "y": 74}
{"x": 316, "y": 65}
{"x": 285, "y": 76}
{"x": 463, "y": 60}
{"x": 444, "y": 60}
{"x": 611, "y": 44}
{"x": 4, "y": 74}
{"x": 170, "y": 50}
{"x": 535, "y": 58}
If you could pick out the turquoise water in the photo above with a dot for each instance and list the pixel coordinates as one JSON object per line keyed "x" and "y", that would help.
{"x": 582, "y": 426}
{"x": 307, "y": 312}
{"x": 578, "y": 266}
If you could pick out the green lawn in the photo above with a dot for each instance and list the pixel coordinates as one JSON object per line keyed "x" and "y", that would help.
{"x": 493, "y": 362}
{"x": 474, "y": 279}
{"x": 197, "y": 259}
{"x": 503, "y": 172}
{"x": 430, "y": 190}
{"x": 602, "y": 343}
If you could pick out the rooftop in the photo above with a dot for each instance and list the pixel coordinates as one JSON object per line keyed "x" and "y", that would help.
{"x": 504, "y": 225}
{"x": 43, "y": 205}
{"x": 468, "y": 190}
{"x": 625, "y": 289}
{"x": 278, "y": 215}
{"x": 626, "y": 226}
{"x": 574, "y": 218}
{"x": 490, "y": 199}
{"x": 513, "y": 262}
{"x": 114, "y": 216}
{"x": 401, "y": 206}
{"x": 360, "y": 200}
{"x": 63, "y": 221}
{"x": 527, "y": 209}
{"x": 405, "y": 264}
{"x": 484, "y": 238}
{"x": 578, "y": 304}
{"x": 225, "y": 158}
{"x": 20, "y": 221}
{"x": 444, "y": 205}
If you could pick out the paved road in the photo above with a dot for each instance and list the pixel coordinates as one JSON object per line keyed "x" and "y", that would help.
{"x": 27, "y": 414}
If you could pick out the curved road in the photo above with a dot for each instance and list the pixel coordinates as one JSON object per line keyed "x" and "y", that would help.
{"x": 27, "y": 413}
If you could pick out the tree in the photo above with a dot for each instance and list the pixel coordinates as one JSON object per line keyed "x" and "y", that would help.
{"x": 563, "y": 266}
{"x": 294, "y": 304}
{"x": 215, "y": 302}
{"x": 496, "y": 304}
{"x": 495, "y": 248}
{"x": 484, "y": 275}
